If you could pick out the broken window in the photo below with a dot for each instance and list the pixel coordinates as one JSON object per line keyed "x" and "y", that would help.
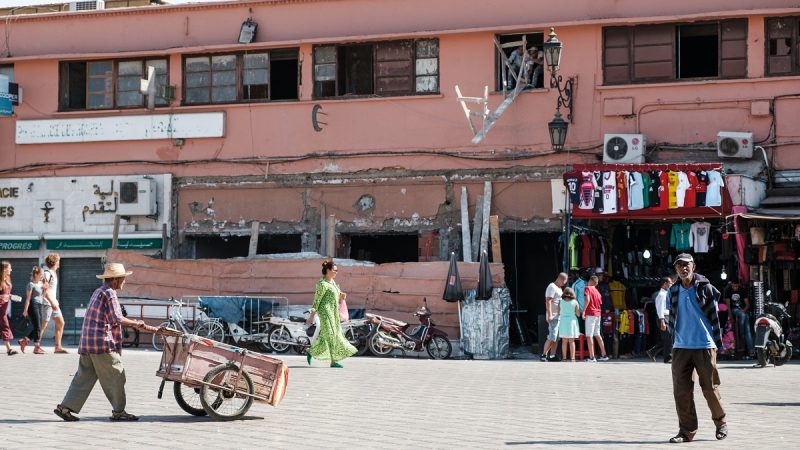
{"x": 511, "y": 45}
{"x": 108, "y": 84}
{"x": 389, "y": 68}
{"x": 668, "y": 52}
{"x": 278, "y": 243}
{"x": 218, "y": 247}
{"x": 385, "y": 248}
{"x": 247, "y": 77}
{"x": 8, "y": 71}
{"x": 783, "y": 38}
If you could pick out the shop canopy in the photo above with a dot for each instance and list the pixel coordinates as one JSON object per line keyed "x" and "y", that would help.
{"x": 703, "y": 212}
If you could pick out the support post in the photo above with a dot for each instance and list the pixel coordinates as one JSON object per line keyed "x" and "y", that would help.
{"x": 476, "y": 228}
{"x": 164, "y": 241}
{"x": 330, "y": 236}
{"x": 322, "y": 229}
{"x": 494, "y": 230}
{"x": 466, "y": 242}
{"x": 254, "y": 228}
{"x": 487, "y": 204}
{"x": 115, "y": 236}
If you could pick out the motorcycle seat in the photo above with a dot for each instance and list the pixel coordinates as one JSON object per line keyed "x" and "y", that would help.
{"x": 296, "y": 319}
{"x": 395, "y": 321}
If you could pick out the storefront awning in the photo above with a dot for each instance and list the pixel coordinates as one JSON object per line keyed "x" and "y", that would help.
{"x": 142, "y": 241}
{"x": 19, "y": 242}
{"x": 761, "y": 214}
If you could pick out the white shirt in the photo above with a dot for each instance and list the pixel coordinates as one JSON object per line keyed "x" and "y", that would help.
{"x": 554, "y": 292}
{"x": 698, "y": 236}
{"x": 635, "y": 191}
{"x": 715, "y": 184}
{"x": 680, "y": 189}
{"x": 609, "y": 193}
{"x": 661, "y": 304}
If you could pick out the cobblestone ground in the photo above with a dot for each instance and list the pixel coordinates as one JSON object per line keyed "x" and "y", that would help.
{"x": 409, "y": 403}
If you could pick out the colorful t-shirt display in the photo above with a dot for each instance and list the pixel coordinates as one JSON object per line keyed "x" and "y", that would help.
{"x": 714, "y": 193}
{"x": 598, "y": 192}
{"x": 690, "y": 200}
{"x": 572, "y": 182}
{"x": 698, "y": 236}
{"x": 635, "y": 192}
{"x": 586, "y": 191}
{"x": 701, "y": 187}
{"x": 622, "y": 191}
{"x": 609, "y": 193}
{"x": 680, "y": 189}
{"x": 679, "y": 239}
{"x": 673, "y": 185}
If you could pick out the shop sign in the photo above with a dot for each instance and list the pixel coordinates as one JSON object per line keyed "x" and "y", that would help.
{"x": 102, "y": 244}
{"x": 9, "y": 245}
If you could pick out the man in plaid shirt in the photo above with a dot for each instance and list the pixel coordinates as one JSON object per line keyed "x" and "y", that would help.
{"x": 100, "y": 349}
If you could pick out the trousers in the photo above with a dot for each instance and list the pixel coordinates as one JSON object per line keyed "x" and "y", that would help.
{"x": 704, "y": 362}
{"x": 105, "y": 368}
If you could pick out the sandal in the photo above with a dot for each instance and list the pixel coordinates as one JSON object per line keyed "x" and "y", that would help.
{"x": 336, "y": 365}
{"x": 722, "y": 432}
{"x": 122, "y": 416}
{"x": 679, "y": 438}
{"x": 22, "y": 344}
{"x": 38, "y": 351}
{"x": 60, "y": 350}
{"x": 65, "y": 414}
{"x": 11, "y": 351}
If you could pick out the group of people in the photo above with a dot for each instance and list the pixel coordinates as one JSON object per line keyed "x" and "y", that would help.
{"x": 40, "y": 306}
{"x": 535, "y": 70}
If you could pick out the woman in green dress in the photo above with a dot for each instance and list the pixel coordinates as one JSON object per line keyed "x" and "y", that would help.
{"x": 331, "y": 343}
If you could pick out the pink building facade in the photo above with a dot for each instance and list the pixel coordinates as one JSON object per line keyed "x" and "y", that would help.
{"x": 348, "y": 108}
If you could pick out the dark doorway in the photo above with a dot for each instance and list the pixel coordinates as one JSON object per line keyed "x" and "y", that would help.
{"x": 531, "y": 261}
{"x": 698, "y": 51}
{"x": 283, "y": 74}
{"x": 355, "y": 69}
{"x": 219, "y": 247}
{"x": 385, "y": 248}
{"x": 278, "y": 243}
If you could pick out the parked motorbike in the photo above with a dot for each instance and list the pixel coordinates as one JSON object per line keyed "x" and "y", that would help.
{"x": 357, "y": 332}
{"x": 770, "y": 341}
{"x": 288, "y": 332}
{"x": 391, "y": 334}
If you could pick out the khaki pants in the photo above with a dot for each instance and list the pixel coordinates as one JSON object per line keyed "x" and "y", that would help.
{"x": 684, "y": 363}
{"x": 106, "y": 368}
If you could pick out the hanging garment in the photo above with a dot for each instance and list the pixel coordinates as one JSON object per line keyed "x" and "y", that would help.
{"x": 690, "y": 200}
{"x": 661, "y": 237}
{"x": 597, "y": 208}
{"x": 714, "y": 193}
{"x": 573, "y": 251}
{"x": 601, "y": 263}
{"x": 679, "y": 238}
{"x": 663, "y": 190}
{"x": 673, "y": 193}
{"x": 617, "y": 294}
{"x": 701, "y": 187}
{"x": 635, "y": 192}
{"x": 680, "y": 189}
{"x": 586, "y": 250}
{"x": 586, "y": 191}
{"x": 646, "y": 183}
{"x": 572, "y": 183}
{"x": 698, "y": 236}
{"x": 652, "y": 193}
{"x": 609, "y": 193}
{"x": 622, "y": 191}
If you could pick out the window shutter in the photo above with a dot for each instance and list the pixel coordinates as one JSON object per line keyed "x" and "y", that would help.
{"x": 733, "y": 49}
{"x": 779, "y": 45}
{"x": 394, "y": 68}
{"x": 654, "y": 52}
{"x": 616, "y": 55}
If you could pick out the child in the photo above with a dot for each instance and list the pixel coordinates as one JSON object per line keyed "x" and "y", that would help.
{"x": 568, "y": 322}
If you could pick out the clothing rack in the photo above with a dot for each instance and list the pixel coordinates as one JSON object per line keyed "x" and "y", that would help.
{"x": 587, "y": 229}
{"x": 675, "y": 167}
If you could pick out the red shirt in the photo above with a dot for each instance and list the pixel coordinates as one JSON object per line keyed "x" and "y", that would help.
{"x": 593, "y": 301}
{"x": 622, "y": 192}
{"x": 102, "y": 325}
{"x": 690, "y": 200}
{"x": 663, "y": 190}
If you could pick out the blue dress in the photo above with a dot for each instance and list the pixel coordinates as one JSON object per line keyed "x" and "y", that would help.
{"x": 567, "y": 320}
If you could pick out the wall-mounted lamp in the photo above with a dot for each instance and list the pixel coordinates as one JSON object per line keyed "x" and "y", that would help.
{"x": 248, "y": 32}
{"x": 558, "y": 126}
{"x": 723, "y": 275}
{"x": 646, "y": 253}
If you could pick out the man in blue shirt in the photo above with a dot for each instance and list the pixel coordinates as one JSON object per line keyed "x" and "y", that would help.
{"x": 696, "y": 336}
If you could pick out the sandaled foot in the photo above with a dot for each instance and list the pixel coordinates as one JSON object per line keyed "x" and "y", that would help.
{"x": 308, "y": 359}
{"x": 38, "y": 351}
{"x": 22, "y": 344}
{"x": 65, "y": 414}
{"x": 11, "y": 351}
{"x": 336, "y": 365}
{"x": 722, "y": 432}
{"x": 680, "y": 438}
{"x": 60, "y": 350}
{"x": 122, "y": 416}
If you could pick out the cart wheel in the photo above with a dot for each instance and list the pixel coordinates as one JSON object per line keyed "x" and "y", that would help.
{"x": 228, "y": 398}
{"x": 158, "y": 340}
{"x": 277, "y": 337}
{"x": 188, "y": 399}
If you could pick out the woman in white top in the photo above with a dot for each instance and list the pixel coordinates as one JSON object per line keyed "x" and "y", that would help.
{"x": 51, "y": 308}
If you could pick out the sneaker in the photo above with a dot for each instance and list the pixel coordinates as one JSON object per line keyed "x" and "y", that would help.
{"x": 651, "y": 355}
{"x": 603, "y": 358}
{"x": 542, "y": 358}
{"x": 553, "y": 358}
{"x": 591, "y": 360}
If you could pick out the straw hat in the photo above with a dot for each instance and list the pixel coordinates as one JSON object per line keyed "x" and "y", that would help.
{"x": 113, "y": 270}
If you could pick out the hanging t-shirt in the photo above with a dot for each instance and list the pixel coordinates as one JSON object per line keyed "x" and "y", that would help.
{"x": 635, "y": 192}
{"x": 652, "y": 193}
{"x": 661, "y": 237}
{"x": 572, "y": 182}
{"x": 714, "y": 193}
{"x": 622, "y": 191}
{"x": 586, "y": 250}
{"x": 673, "y": 186}
{"x": 680, "y": 189}
{"x": 573, "y": 251}
{"x": 586, "y": 191}
{"x": 690, "y": 201}
{"x": 609, "y": 193}
{"x": 663, "y": 190}
{"x": 698, "y": 236}
{"x": 617, "y": 294}
{"x": 679, "y": 239}
{"x": 646, "y": 183}
{"x": 598, "y": 192}
{"x": 608, "y": 322}
{"x": 701, "y": 187}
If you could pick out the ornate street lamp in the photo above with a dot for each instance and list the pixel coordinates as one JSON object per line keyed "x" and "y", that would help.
{"x": 558, "y": 126}
{"x": 558, "y": 131}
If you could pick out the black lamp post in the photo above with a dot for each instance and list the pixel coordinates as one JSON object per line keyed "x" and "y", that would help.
{"x": 558, "y": 126}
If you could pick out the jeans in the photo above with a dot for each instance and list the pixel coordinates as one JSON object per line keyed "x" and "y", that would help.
{"x": 743, "y": 323}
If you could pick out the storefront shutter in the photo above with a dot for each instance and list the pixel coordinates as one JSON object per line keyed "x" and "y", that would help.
{"x": 654, "y": 52}
{"x": 733, "y": 48}
{"x": 394, "y": 68}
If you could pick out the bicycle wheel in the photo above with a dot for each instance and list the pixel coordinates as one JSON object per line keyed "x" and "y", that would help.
{"x": 158, "y": 340}
{"x": 226, "y": 393}
{"x": 212, "y": 330}
{"x": 130, "y": 337}
{"x": 188, "y": 399}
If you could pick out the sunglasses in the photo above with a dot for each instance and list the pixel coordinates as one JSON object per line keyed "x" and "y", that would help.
{"x": 335, "y": 270}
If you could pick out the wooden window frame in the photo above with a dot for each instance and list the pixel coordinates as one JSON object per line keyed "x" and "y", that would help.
{"x": 795, "y": 44}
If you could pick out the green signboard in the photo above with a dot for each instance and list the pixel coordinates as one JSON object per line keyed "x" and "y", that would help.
{"x": 8, "y": 245}
{"x": 102, "y": 244}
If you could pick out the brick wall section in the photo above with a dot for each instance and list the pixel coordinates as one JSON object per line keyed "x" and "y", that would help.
{"x": 395, "y": 289}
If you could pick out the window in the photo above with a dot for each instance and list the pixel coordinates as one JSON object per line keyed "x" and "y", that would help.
{"x": 241, "y": 77}
{"x": 668, "y": 52}
{"x": 108, "y": 84}
{"x": 510, "y": 44}
{"x": 391, "y": 68}
{"x": 7, "y": 70}
{"x": 783, "y": 57}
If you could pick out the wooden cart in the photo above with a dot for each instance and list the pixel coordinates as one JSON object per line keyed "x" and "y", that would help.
{"x": 218, "y": 379}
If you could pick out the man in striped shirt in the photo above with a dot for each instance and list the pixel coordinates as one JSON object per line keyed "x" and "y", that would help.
{"x": 100, "y": 349}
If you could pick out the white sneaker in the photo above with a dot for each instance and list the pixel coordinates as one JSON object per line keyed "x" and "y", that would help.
{"x": 591, "y": 360}
{"x": 604, "y": 358}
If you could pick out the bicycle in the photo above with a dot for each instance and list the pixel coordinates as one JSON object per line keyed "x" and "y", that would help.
{"x": 204, "y": 326}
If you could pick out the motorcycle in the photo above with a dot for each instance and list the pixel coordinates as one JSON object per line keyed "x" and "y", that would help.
{"x": 391, "y": 334}
{"x": 286, "y": 332}
{"x": 357, "y": 332}
{"x": 770, "y": 341}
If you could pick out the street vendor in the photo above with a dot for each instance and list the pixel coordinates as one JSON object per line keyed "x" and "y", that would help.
{"x": 100, "y": 349}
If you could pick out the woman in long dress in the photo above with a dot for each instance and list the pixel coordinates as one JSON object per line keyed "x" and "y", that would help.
{"x": 5, "y": 297}
{"x": 331, "y": 343}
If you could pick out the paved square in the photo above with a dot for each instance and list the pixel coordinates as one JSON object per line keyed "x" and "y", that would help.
{"x": 409, "y": 403}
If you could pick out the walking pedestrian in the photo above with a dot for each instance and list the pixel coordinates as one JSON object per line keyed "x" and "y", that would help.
{"x": 552, "y": 301}
{"x": 739, "y": 305}
{"x": 33, "y": 310}
{"x": 100, "y": 349}
{"x": 52, "y": 309}
{"x": 568, "y": 330}
{"x": 5, "y": 301}
{"x": 591, "y": 314}
{"x": 696, "y": 337}
{"x": 331, "y": 343}
{"x": 664, "y": 343}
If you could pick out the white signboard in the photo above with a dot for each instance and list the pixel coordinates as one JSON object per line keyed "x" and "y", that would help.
{"x": 122, "y": 128}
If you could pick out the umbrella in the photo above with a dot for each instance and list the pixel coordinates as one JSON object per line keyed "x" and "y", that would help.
{"x": 452, "y": 288}
{"x": 485, "y": 286}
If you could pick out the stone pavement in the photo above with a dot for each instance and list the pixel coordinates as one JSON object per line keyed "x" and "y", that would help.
{"x": 409, "y": 403}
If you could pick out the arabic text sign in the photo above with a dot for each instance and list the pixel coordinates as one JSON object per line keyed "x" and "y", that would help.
{"x": 102, "y": 244}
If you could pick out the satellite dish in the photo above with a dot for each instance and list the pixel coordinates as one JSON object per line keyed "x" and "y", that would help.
{"x": 616, "y": 148}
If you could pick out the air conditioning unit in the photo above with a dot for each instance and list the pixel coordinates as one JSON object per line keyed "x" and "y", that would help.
{"x": 87, "y": 5}
{"x": 137, "y": 197}
{"x": 624, "y": 148}
{"x": 734, "y": 144}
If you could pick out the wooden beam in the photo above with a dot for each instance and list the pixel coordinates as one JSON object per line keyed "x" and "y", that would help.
{"x": 115, "y": 236}
{"x": 476, "y": 227}
{"x": 494, "y": 231}
{"x": 252, "y": 251}
{"x": 323, "y": 240}
{"x": 487, "y": 204}
{"x": 330, "y": 236}
{"x": 466, "y": 242}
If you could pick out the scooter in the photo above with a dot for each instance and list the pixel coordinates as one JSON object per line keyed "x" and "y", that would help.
{"x": 357, "y": 332}
{"x": 770, "y": 341}
{"x": 288, "y": 332}
{"x": 391, "y": 334}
